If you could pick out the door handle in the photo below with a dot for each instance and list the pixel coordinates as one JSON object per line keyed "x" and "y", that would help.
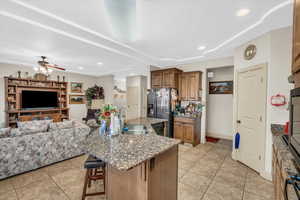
{"x": 239, "y": 121}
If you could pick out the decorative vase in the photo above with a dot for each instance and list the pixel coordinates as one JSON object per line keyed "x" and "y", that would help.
{"x": 102, "y": 129}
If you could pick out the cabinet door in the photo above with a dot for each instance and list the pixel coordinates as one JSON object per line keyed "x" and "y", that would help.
{"x": 193, "y": 86}
{"x": 178, "y": 131}
{"x": 296, "y": 43}
{"x": 189, "y": 133}
{"x": 167, "y": 79}
{"x": 163, "y": 176}
{"x": 184, "y": 87}
{"x": 156, "y": 79}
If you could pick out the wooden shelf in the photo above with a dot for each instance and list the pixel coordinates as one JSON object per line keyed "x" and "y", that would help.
{"x": 36, "y": 110}
{"x": 15, "y": 86}
{"x": 33, "y": 80}
{"x": 43, "y": 87}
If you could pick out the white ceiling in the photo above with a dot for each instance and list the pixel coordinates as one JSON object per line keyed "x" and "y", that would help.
{"x": 128, "y": 35}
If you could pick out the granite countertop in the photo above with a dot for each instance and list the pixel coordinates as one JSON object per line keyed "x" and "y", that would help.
{"x": 284, "y": 155}
{"x": 189, "y": 116}
{"x": 124, "y": 152}
{"x": 146, "y": 122}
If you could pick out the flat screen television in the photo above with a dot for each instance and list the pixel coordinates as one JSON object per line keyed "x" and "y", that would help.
{"x": 38, "y": 99}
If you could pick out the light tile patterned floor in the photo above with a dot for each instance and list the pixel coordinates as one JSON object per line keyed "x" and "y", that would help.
{"x": 206, "y": 172}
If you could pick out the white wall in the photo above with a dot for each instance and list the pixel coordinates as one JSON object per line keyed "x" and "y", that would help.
{"x": 76, "y": 111}
{"x": 220, "y": 106}
{"x": 203, "y": 66}
{"x": 107, "y": 82}
{"x": 273, "y": 48}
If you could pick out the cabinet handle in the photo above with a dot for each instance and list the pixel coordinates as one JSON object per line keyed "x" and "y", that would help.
{"x": 152, "y": 163}
{"x": 145, "y": 178}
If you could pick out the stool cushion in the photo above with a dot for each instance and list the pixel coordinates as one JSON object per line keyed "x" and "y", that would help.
{"x": 93, "y": 163}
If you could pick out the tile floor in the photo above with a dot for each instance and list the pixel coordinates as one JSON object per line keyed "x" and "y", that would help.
{"x": 206, "y": 172}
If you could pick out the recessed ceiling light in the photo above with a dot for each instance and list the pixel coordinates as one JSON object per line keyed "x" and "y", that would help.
{"x": 81, "y": 68}
{"x": 242, "y": 12}
{"x": 201, "y": 48}
{"x": 99, "y": 63}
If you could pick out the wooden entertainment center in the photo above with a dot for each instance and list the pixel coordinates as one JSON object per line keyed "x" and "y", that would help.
{"x": 13, "y": 94}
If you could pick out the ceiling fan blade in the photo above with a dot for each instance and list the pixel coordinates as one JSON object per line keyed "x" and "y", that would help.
{"x": 56, "y": 67}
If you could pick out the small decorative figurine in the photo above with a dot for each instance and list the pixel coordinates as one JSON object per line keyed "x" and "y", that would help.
{"x": 19, "y": 74}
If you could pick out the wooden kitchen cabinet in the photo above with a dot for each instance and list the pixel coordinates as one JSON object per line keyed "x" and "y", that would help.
{"x": 163, "y": 176}
{"x": 156, "y": 79}
{"x": 189, "y": 133}
{"x": 168, "y": 78}
{"x": 296, "y": 37}
{"x": 187, "y": 130}
{"x": 178, "y": 131}
{"x": 154, "y": 179}
{"x": 190, "y": 86}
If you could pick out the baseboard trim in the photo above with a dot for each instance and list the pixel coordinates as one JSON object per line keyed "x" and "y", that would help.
{"x": 215, "y": 135}
{"x": 266, "y": 175}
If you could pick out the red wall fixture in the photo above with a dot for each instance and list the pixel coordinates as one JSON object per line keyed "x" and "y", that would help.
{"x": 278, "y": 100}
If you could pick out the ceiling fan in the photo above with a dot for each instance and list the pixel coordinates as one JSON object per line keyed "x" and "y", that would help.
{"x": 45, "y": 67}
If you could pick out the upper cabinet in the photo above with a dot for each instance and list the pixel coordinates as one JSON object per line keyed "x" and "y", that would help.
{"x": 296, "y": 42}
{"x": 156, "y": 79}
{"x": 168, "y": 78}
{"x": 190, "y": 86}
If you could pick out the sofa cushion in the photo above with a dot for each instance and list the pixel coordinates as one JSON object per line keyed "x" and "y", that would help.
{"x": 4, "y": 132}
{"x": 34, "y": 126}
{"x": 61, "y": 125}
{"x": 15, "y": 132}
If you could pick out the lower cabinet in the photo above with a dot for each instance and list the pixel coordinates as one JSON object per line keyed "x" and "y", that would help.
{"x": 154, "y": 179}
{"x": 279, "y": 179}
{"x": 187, "y": 129}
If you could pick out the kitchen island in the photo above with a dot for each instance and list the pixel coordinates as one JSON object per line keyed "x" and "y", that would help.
{"x": 139, "y": 167}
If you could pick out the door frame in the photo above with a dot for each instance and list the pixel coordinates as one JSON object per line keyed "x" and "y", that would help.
{"x": 264, "y": 66}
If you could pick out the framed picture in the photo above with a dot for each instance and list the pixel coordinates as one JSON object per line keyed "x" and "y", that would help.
{"x": 221, "y": 87}
{"x": 77, "y": 99}
{"x": 76, "y": 87}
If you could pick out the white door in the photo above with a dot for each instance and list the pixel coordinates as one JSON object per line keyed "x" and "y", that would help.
{"x": 132, "y": 103}
{"x": 251, "y": 112}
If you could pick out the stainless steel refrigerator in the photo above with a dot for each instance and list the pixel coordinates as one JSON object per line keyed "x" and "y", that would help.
{"x": 161, "y": 105}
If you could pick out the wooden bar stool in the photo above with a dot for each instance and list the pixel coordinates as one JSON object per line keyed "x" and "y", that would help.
{"x": 95, "y": 170}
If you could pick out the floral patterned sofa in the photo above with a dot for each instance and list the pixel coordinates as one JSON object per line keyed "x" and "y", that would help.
{"x": 39, "y": 143}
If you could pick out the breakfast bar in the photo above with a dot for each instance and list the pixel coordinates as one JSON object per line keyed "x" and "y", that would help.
{"x": 138, "y": 167}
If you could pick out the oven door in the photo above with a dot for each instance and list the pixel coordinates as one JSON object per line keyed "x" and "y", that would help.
{"x": 295, "y": 124}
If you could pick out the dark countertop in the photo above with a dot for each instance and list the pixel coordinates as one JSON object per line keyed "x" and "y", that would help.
{"x": 284, "y": 155}
{"x": 124, "y": 152}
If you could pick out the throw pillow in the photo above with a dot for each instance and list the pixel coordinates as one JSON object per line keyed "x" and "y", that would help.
{"x": 15, "y": 132}
{"x": 34, "y": 126}
{"x": 4, "y": 132}
{"x": 61, "y": 125}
